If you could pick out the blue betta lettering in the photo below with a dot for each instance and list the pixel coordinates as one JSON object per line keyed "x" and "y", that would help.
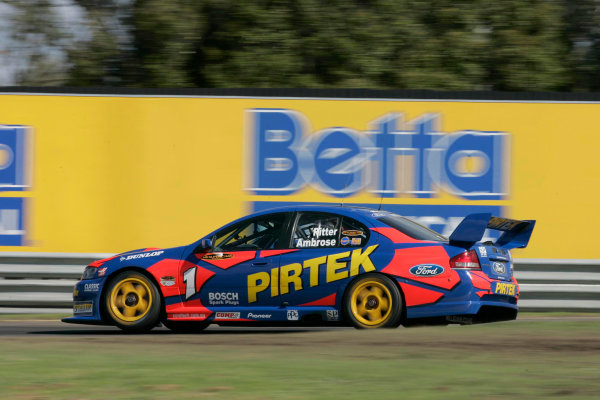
{"x": 340, "y": 161}
{"x": 277, "y": 135}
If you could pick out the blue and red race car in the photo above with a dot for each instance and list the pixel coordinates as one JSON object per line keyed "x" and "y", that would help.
{"x": 311, "y": 265}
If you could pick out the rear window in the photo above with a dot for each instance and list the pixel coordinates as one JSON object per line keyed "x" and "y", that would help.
{"x": 411, "y": 228}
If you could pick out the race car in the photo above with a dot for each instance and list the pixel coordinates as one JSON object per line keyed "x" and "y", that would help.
{"x": 311, "y": 265}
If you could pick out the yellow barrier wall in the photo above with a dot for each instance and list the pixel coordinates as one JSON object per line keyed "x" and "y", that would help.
{"x": 111, "y": 174}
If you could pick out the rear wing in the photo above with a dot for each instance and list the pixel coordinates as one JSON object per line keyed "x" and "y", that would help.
{"x": 515, "y": 234}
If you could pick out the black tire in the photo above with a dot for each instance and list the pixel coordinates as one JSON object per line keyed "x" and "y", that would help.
{"x": 186, "y": 326}
{"x": 373, "y": 301}
{"x": 132, "y": 302}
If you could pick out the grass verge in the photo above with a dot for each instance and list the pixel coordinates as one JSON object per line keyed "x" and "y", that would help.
{"x": 528, "y": 359}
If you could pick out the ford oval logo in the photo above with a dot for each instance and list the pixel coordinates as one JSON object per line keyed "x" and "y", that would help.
{"x": 499, "y": 268}
{"x": 426, "y": 270}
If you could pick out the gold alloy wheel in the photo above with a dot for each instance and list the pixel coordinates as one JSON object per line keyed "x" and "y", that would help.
{"x": 130, "y": 299}
{"x": 371, "y": 303}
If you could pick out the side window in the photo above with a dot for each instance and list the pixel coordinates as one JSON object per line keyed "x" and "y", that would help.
{"x": 259, "y": 233}
{"x": 314, "y": 230}
{"x": 353, "y": 233}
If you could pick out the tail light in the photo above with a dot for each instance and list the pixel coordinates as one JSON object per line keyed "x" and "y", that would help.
{"x": 467, "y": 260}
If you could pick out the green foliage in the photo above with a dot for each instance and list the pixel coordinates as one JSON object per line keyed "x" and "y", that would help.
{"x": 524, "y": 44}
{"x": 384, "y": 44}
{"x": 34, "y": 42}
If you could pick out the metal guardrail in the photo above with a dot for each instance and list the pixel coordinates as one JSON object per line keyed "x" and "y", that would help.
{"x": 567, "y": 285}
{"x": 43, "y": 282}
{"x": 40, "y": 282}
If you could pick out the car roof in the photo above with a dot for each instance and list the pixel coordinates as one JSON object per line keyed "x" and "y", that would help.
{"x": 364, "y": 213}
{"x": 336, "y": 209}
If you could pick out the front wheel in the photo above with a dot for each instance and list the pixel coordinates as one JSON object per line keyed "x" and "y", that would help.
{"x": 373, "y": 301}
{"x": 132, "y": 302}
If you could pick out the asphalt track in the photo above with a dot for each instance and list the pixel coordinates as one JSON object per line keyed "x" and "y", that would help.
{"x": 58, "y": 328}
{"x": 33, "y": 328}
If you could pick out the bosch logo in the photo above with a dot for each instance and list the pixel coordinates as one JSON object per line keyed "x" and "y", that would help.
{"x": 222, "y": 296}
{"x": 499, "y": 268}
{"x": 426, "y": 270}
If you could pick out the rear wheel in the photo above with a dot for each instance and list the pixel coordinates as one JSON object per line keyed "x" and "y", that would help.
{"x": 373, "y": 301}
{"x": 132, "y": 302}
{"x": 186, "y": 326}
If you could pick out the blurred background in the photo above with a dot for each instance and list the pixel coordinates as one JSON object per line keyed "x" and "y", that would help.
{"x": 120, "y": 129}
{"x": 513, "y": 45}
{"x": 132, "y": 124}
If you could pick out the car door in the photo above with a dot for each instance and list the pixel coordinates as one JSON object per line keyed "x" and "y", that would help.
{"x": 219, "y": 277}
{"x": 324, "y": 245}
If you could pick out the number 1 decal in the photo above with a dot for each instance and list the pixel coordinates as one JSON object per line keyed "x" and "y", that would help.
{"x": 189, "y": 277}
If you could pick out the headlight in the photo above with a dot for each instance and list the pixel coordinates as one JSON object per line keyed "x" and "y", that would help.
{"x": 89, "y": 273}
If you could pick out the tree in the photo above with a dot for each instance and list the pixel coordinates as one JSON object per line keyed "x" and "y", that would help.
{"x": 524, "y": 45}
{"x": 403, "y": 44}
{"x": 35, "y": 43}
{"x": 582, "y": 38}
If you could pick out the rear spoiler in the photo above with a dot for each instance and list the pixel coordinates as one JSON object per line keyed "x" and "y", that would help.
{"x": 515, "y": 234}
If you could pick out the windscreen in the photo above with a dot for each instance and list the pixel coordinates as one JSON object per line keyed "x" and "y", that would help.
{"x": 411, "y": 228}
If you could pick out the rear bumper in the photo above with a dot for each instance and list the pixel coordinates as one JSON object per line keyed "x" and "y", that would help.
{"x": 485, "y": 314}
{"x": 473, "y": 299}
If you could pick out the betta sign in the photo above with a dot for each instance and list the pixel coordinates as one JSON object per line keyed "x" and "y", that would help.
{"x": 341, "y": 161}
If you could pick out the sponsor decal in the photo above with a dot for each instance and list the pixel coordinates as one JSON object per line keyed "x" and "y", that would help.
{"x": 227, "y": 315}
{"x": 259, "y": 316}
{"x": 502, "y": 224}
{"x": 332, "y": 315}
{"x": 292, "y": 315}
{"x": 285, "y": 157}
{"x": 356, "y": 241}
{"x": 75, "y": 292}
{"x": 499, "y": 268}
{"x": 167, "y": 280}
{"x": 184, "y": 315}
{"x": 378, "y": 214}
{"x": 344, "y": 241}
{"x": 425, "y": 270}
{"x": 82, "y": 308}
{"x": 315, "y": 242}
{"x": 336, "y": 267}
{"x": 508, "y": 289}
{"x": 16, "y": 165}
{"x": 319, "y": 231}
{"x": 459, "y": 319}
{"x": 102, "y": 272}
{"x": 223, "y": 298}
{"x": 141, "y": 255}
{"x": 352, "y": 233}
{"x": 217, "y": 256}
{"x": 91, "y": 287}
{"x": 320, "y": 237}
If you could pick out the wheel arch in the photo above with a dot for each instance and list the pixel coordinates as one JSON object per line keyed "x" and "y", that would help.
{"x": 342, "y": 300}
{"x": 134, "y": 268}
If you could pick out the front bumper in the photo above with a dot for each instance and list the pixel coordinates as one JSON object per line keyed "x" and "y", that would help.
{"x": 87, "y": 295}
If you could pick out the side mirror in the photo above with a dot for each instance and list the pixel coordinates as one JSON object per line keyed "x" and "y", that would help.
{"x": 205, "y": 244}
